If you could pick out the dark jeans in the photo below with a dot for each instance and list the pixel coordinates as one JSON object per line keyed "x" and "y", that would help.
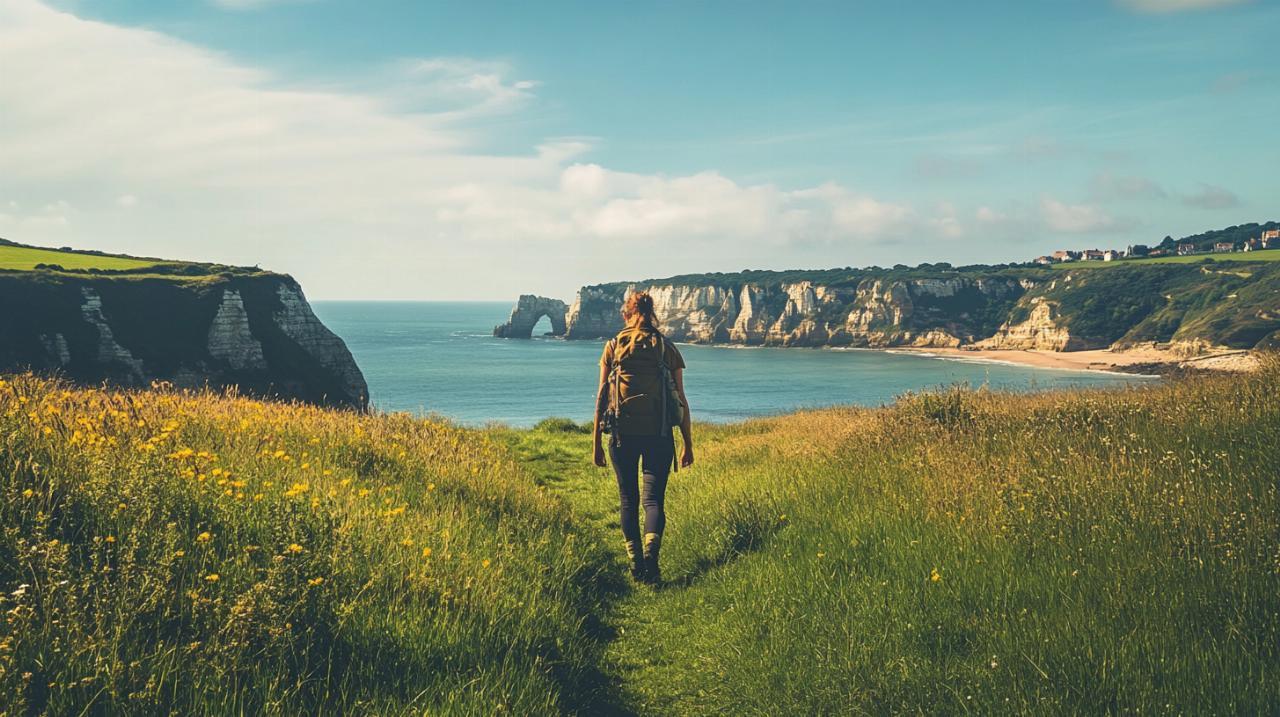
{"x": 656, "y": 453}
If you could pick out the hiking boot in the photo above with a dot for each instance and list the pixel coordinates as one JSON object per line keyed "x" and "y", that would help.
{"x": 652, "y": 544}
{"x": 635, "y": 560}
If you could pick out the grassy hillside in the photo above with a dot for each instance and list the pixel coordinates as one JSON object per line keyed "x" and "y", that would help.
{"x": 1104, "y": 551}
{"x": 1266, "y": 255}
{"x": 171, "y": 553}
{"x": 1229, "y": 304}
{"x": 25, "y": 258}
{"x": 16, "y": 257}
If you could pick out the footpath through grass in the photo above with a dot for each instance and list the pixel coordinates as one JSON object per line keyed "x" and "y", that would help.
{"x": 960, "y": 552}
{"x": 1097, "y": 552}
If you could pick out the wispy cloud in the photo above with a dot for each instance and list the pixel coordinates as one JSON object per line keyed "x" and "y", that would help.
{"x": 1107, "y": 186}
{"x": 167, "y": 148}
{"x": 1067, "y": 218}
{"x": 1168, "y": 6}
{"x": 1210, "y": 196}
{"x": 251, "y": 4}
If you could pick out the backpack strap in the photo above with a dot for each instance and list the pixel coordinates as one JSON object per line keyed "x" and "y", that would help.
{"x": 665, "y": 391}
{"x": 616, "y": 398}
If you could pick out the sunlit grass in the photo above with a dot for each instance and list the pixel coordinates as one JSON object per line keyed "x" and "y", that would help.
{"x": 164, "y": 551}
{"x": 26, "y": 258}
{"x": 1109, "y": 551}
{"x": 1260, "y": 255}
{"x": 1097, "y": 552}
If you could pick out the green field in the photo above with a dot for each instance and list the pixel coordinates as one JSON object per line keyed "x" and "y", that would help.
{"x": 1098, "y": 552}
{"x": 1264, "y": 255}
{"x": 22, "y": 258}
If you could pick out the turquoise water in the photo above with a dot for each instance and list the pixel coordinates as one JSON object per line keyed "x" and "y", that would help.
{"x": 440, "y": 357}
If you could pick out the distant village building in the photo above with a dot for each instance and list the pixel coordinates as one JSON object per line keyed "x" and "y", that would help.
{"x": 1224, "y": 246}
{"x": 1091, "y": 255}
{"x": 1252, "y": 244}
{"x": 1111, "y": 255}
{"x": 1044, "y": 260}
{"x": 1270, "y": 239}
{"x": 1065, "y": 255}
{"x": 1185, "y": 249}
{"x": 1158, "y": 252}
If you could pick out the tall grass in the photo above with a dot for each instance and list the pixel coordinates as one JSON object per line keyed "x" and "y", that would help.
{"x": 192, "y": 554}
{"x": 959, "y": 552}
{"x": 975, "y": 552}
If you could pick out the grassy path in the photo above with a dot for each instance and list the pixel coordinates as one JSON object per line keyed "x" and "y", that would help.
{"x": 635, "y": 684}
{"x": 961, "y": 553}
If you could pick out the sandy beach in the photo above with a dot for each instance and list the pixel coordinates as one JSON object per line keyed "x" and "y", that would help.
{"x": 1139, "y": 359}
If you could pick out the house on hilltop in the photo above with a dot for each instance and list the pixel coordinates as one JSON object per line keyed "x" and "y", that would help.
{"x": 1270, "y": 239}
{"x": 1224, "y": 246}
{"x": 1091, "y": 255}
{"x": 1043, "y": 260}
{"x": 1111, "y": 255}
{"x": 1186, "y": 248}
{"x": 1065, "y": 255}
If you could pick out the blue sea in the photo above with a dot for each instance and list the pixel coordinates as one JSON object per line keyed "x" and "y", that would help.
{"x": 440, "y": 358}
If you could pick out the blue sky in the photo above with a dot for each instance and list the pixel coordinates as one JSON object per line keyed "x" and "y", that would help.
{"x": 480, "y": 150}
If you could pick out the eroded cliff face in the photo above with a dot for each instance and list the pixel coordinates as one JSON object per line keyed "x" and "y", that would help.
{"x": 1187, "y": 309}
{"x": 1041, "y": 330}
{"x": 255, "y": 332}
{"x": 873, "y": 313}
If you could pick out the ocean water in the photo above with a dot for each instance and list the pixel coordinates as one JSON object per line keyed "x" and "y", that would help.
{"x": 440, "y": 358}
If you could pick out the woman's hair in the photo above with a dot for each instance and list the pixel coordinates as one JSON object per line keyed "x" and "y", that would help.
{"x": 641, "y": 304}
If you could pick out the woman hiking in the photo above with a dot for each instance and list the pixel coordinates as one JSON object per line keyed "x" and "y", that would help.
{"x": 640, "y": 399}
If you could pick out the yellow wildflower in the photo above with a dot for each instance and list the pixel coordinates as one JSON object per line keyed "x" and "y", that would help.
{"x": 110, "y": 538}
{"x": 204, "y": 537}
{"x": 935, "y": 576}
{"x": 484, "y": 563}
{"x": 212, "y": 577}
{"x": 426, "y": 552}
{"x": 315, "y": 581}
{"x": 28, "y": 493}
{"x": 294, "y": 548}
{"x": 407, "y": 542}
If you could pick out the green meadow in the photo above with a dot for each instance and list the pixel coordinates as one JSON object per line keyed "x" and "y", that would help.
{"x": 1261, "y": 255}
{"x": 963, "y": 551}
{"x": 24, "y": 258}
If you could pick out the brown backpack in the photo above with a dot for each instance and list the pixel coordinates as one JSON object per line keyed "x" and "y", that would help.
{"x": 641, "y": 393}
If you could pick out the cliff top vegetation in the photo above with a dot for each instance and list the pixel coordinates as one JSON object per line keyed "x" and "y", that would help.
{"x": 851, "y": 276}
{"x": 16, "y": 257}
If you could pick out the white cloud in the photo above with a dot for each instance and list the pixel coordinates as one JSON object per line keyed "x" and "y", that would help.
{"x": 250, "y": 4}
{"x": 1211, "y": 197}
{"x": 386, "y": 192}
{"x": 1107, "y": 186}
{"x": 1077, "y": 218}
{"x": 1166, "y": 6}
